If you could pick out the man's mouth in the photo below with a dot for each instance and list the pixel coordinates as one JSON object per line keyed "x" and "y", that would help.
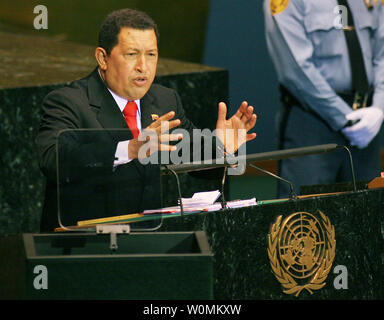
{"x": 140, "y": 81}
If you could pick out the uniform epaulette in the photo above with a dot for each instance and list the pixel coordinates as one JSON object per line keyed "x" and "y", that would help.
{"x": 278, "y": 6}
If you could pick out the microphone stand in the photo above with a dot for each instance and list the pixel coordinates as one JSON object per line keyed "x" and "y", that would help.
{"x": 180, "y": 201}
{"x": 351, "y": 165}
{"x": 223, "y": 201}
{"x": 273, "y": 155}
{"x": 293, "y": 195}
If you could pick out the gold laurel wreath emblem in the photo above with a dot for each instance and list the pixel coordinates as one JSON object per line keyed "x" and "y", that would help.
{"x": 318, "y": 279}
{"x": 278, "y": 6}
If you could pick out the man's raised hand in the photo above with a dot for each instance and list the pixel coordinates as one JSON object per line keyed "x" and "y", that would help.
{"x": 234, "y": 131}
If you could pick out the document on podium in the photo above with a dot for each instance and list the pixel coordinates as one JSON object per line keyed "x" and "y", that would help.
{"x": 200, "y": 202}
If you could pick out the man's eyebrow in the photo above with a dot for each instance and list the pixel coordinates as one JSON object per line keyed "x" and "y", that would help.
{"x": 136, "y": 49}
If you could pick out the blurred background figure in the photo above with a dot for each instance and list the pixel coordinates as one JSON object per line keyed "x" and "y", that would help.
{"x": 329, "y": 59}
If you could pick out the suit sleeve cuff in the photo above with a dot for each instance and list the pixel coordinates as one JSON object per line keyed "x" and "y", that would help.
{"x": 121, "y": 154}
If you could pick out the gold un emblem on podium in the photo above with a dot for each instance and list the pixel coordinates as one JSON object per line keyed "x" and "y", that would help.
{"x": 301, "y": 251}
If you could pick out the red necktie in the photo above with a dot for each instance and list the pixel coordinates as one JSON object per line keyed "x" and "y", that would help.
{"x": 130, "y": 112}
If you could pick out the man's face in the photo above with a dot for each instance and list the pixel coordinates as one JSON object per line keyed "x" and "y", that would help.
{"x": 131, "y": 66}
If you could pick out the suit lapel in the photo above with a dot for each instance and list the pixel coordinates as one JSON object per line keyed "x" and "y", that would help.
{"x": 149, "y": 109}
{"x": 109, "y": 114}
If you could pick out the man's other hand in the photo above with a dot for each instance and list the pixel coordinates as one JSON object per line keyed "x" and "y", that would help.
{"x": 155, "y": 137}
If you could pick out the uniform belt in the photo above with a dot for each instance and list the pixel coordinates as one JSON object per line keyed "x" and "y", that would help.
{"x": 354, "y": 100}
{"x": 357, "y": 100}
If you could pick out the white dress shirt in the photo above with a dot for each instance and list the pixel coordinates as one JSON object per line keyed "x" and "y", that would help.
{"x": 121, "y": 154}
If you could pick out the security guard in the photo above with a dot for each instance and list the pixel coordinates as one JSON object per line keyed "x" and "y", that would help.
{"x": 329, "y": 58}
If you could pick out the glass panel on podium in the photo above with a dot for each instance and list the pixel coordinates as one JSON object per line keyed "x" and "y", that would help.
{"x": 93, "y": 183}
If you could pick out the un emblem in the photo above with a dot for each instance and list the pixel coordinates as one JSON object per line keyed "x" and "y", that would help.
{"x": 301, "y": 251}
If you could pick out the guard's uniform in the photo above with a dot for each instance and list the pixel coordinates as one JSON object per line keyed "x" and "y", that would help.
{"x": 312, "y": 60}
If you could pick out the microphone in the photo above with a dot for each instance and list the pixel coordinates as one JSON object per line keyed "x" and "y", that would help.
{"x": 271, "y": 155}
{"x": 351, "y": 165}
{"x": 293, "y": 195}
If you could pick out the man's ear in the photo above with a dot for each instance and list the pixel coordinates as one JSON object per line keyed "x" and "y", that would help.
{"x": 101, "y": 58}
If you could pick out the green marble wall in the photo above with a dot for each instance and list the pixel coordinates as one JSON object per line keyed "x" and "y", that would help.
{"x": 238, "y": 240}
{"x": 21, "y": 183}
{"x": 33, "y": 66}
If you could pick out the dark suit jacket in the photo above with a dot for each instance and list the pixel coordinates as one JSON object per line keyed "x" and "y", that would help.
{"x": 89, "y": 185}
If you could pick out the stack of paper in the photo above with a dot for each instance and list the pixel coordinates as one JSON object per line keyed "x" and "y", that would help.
{"x": 200, "y": 201}
{"x": 241, "y": 203}
{"x": 203, "y": 201}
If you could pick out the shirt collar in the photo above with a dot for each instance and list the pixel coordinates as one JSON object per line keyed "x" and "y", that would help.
{"x": 120, "y": 101}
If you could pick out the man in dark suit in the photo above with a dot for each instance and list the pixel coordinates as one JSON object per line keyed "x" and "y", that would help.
{"x": 118, "y": 94}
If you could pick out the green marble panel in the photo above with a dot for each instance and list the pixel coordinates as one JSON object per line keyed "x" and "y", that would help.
{"x": 21, "y": 182}
{"x": 238, "y": 240}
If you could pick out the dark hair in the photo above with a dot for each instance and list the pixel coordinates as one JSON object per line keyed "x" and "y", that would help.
{"x": 111, "y": 26}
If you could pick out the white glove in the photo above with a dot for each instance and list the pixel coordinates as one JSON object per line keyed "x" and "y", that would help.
{"x": 367, "y": 127}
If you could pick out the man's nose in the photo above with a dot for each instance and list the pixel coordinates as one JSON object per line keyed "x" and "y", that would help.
{"x": 141, "y": 64}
